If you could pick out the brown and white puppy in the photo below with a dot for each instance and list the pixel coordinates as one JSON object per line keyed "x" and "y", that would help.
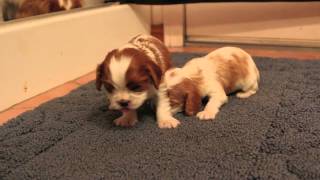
{"x": 132, "y": 74}
{"x": 26, "y": 8}
{"x": 221, "y": 72}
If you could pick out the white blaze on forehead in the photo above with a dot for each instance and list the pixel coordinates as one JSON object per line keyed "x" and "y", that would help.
{"x": 118, "y": 69}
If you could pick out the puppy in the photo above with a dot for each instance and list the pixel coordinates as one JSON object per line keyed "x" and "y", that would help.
{"x": 26, "y": 8}
{"x": 221, "y": 72}
{"x": 131, "y": 74}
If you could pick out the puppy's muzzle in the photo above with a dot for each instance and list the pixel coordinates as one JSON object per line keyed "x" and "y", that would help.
{"x": 124, "y": 103}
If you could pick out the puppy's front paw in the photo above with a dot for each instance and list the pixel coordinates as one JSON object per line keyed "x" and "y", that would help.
{"x": 207, "y": 115}
{"x": 168, "y": 123}
{"x": 125, "y": 121}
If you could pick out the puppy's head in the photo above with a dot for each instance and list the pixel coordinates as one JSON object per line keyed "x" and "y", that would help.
{"x": 129, "y": 77}
{"x": 183, "y": 93}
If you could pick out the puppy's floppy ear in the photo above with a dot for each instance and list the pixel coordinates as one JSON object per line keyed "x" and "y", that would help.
{"x": 99, "y": 75}
{"x": 101, "y": 71}
{"x": 192, "y": 101}
{"x": 154, "y": 72}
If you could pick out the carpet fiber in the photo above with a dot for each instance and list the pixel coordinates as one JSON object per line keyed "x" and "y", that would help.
{"x": 274, "y": 134}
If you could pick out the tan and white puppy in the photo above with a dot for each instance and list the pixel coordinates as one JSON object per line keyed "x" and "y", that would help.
{"x": 14, "y": 9}
{"x": 132, "y": 74}
{"x": 221, "y": 72}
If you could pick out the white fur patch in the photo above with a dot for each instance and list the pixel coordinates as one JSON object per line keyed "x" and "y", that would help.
{"x": 118, "y": 70}
{"x": 164, "y": 116}
{"x": 66, "y": 4}
{"x": 173, "y": 77}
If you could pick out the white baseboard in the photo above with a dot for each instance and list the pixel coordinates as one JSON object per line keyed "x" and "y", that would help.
{"x": 41, "y": 53}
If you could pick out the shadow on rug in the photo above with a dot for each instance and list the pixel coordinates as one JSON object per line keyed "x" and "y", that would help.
{"x": 274, "y": 134}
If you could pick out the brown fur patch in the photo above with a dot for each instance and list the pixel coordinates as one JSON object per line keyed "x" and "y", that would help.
{"x": 231, "y": 71}
{"x": 141, "y": 71}
{"x": 32, "y": 8}
{"x": 163, "y": 59}
{"x": 37, "y": 7}
{"x": 76, "y": 4}
{"x": 185, "y": 95}
{"x": 103, "y": 75}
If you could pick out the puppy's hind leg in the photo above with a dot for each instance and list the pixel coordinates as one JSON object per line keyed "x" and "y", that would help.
{"x": 245, "y": 93}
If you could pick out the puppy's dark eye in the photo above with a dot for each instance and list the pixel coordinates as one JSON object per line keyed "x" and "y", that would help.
{"x": 134, "y": 87}
{"x": 109, "y": 87}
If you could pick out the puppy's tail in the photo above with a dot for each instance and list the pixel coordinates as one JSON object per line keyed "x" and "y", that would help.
{"x": 9, "y": 10}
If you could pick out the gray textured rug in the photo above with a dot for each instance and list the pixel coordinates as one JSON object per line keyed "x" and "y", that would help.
{"x": 274, "y": 134}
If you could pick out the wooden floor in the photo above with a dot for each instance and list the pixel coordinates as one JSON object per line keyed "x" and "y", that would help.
{"x": 265, "y": 51}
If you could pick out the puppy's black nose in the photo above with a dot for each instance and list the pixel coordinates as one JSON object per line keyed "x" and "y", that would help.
{"x": 123, "y": 103}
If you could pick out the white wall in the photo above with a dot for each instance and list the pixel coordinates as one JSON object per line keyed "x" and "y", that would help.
{"x": 144, "y": 13}
{"x": 157, "y": 14}
{"x": 285, "y": 23}
{"x": 39, "y": 54}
